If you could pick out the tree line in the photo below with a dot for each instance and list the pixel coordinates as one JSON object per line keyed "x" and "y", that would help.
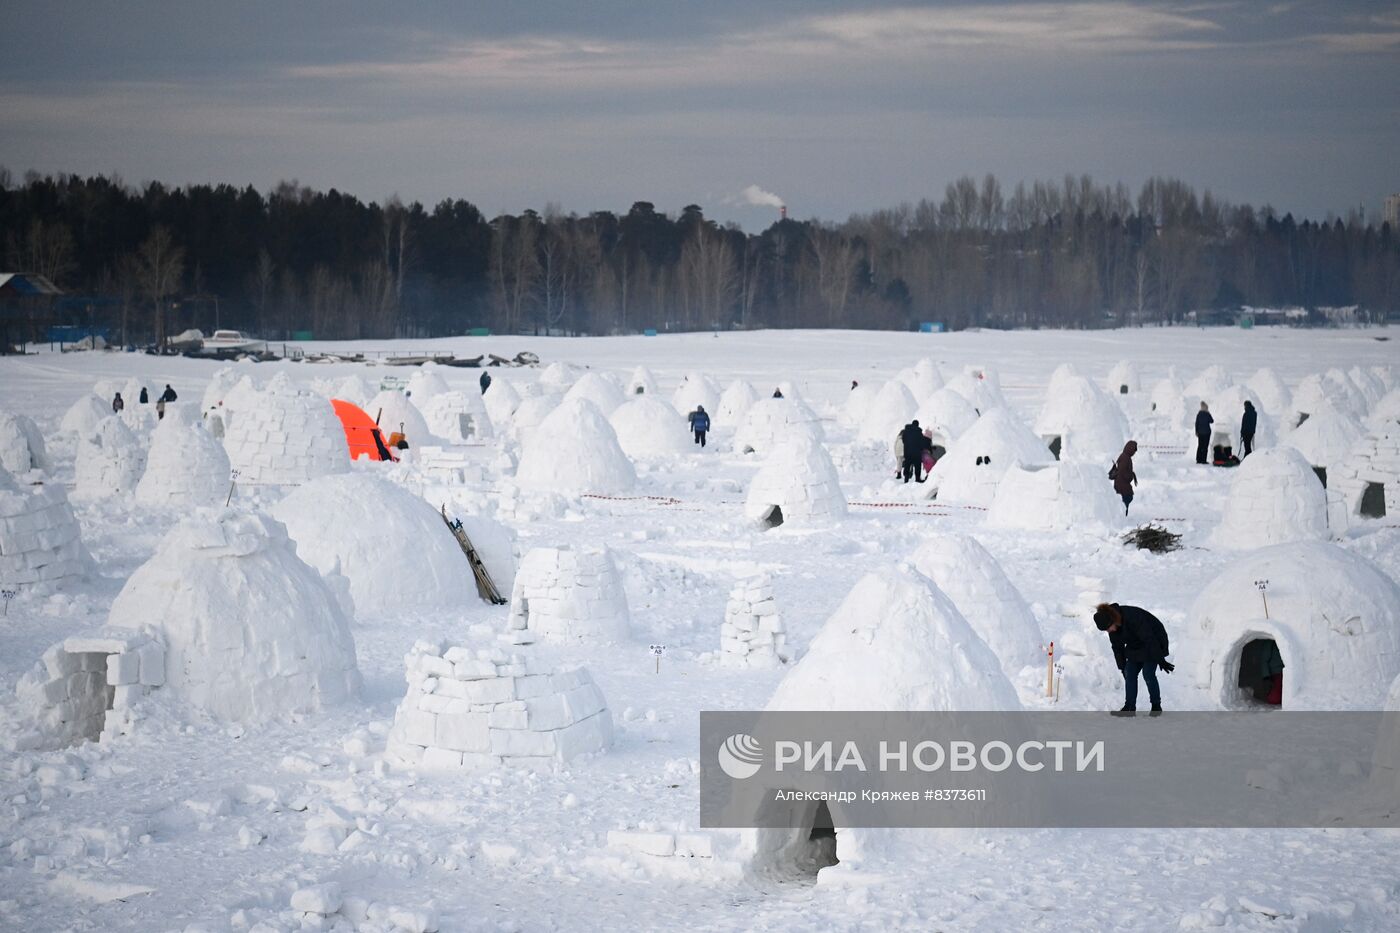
{"x": 150, "y": 261}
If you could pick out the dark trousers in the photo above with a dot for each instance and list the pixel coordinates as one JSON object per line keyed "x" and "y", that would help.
{"x": 914, "y": 467}
{"x": 1247, "y": 442}
{"x": 1148, "y": 669}
{"x": 1127, "y": 501}
{"x": 1202, "y": 443}
{"x": 700, "y": 438}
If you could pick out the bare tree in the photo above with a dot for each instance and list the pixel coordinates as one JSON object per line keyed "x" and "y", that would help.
{"x": 160, "y": 264}
{"x": 45, "y": 249}
{"x": 259, "y": 284}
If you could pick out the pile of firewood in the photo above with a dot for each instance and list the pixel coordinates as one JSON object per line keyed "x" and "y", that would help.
{"x": 1153, "y": 538}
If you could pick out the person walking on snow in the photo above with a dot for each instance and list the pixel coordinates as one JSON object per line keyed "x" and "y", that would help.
{"x": 1203, "y": 423}
{"x": 1123, "y": 476}
{"x": 778, "y": 392}
{"x": 700, "y": 424}
{"x": 1248, "y": 423}
{"x": 1140, "y": 646}
{"x": 143, "y": 398}
{"x": 913, "y": 438}
{"x": 167, "y": 396}
{"x": 899, "y": 453}
{"x": 484, "y": 382}
{"x": 117, "y": 403}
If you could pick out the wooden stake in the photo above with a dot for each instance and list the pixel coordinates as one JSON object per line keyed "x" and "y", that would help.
{"x": 1050, "y": 670}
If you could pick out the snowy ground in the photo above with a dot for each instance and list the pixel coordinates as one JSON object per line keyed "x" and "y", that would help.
{"x": 211, "y": 820}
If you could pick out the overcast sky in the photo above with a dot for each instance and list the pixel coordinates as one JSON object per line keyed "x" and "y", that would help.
{"x": 594, "y": 104}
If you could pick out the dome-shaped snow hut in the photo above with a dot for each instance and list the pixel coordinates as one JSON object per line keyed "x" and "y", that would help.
{"x": 575, "y": 451}
{"x": 109, "y": 461}
{"x": 734, "y": 403}
{"x": 285, "y": 436}
{"x": 458, "y": 417}
{"x": 1275, "y": 497}
{"x": 40, "y": 541}
{"x": 647, "y": 426}
{"x": 771, "y": 421}
{"x": 599, "y": 389}
{"x": 566, "y": 594}
{"x": 186, "y": 466}
{"x": 83, "y": 416}
{"x": 892, "y": 408}
{"x": 1080, "y": 423}
{"x": 797, "y": 485}
{"x": 979, "y": 458}
{"x": 1055, "y": 497}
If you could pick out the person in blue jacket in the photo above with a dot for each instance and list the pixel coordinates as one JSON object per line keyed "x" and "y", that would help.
{"x": 700, "y": 424}
{"x": 1203, "y": 423}
{"x": 1248, "y": 423}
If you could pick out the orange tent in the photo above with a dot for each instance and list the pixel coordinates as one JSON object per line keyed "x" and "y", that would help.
{"x": 361, "y": 433}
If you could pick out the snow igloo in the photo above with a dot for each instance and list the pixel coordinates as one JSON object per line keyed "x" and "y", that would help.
{"x": 896, "y": 643}
{"x": 599, "y": 389}
{"x": 426, "y": 383}
{"x": 923, "y": 378}
{"x": 40, "y": 542}
{"x": 1124, "y": 379}
{"x": 1329, "y": 617}
{"x": 567, "y": 594}
{"x": 857, "y": 402}
{"x": 979, "y": 458}
{"x": 393, "y": 547}
{"x": 648, "y": 427}
{"x": 1080, "y": 423}
{"x": 797, "y": 485}
{"x": 285, "y": 437}
{"x": 642, "y": 382}
{"x": 981, "y": 386}
{"x": 467, "y": 709}
{"x": 1368, "y": 479}
{"x": 736, "y": 400}
{"x": 531, "y": 412}
{"x": 892, "y": 408}
{"x": 457, "y": 417}
{"x": 1273, "y": 392}
{"x": 1326, "y": 439}
{"x": 970, "y": 576}
{"x": 395, "y": 412}
{"x": 1275, "y": 497}
{"x": 501, "y": 400}
{"x": 109, "y": 462}
{"x": 250, "y": 631}
{"x": 21, "y": 445}
{"x": 770, "y": 421}
{"x": 947, "y": 415}
{"x": 696, "y": 389}
{"x": 84, "y": 415}
{"x": 1056, "y": 497}
{"x": 575, "y": 451}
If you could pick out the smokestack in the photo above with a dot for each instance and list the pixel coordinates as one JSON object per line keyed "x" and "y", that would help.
{"x": 782, "y": 212}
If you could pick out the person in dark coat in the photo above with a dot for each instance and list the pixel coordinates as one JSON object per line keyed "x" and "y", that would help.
{"x": 778, "y": 393}
{"x": 912, "y": 437}
{"x": 1140, "y": 646}
{"x": 168, "y": 395}
{"x": 1248, "y": 423}
{"x": 1124, "y": 479}
{"x": 1203, "y": 423}
{"x": 700, "y": 424}
{"x": 485, "y": 382}
{"x": 117, "y": 403}
{"x": 144, "y": 398}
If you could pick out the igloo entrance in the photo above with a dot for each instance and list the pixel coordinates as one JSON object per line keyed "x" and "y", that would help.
{"x": 771, "y": 518}
{"x": 1321, "y": 475}
{"x": 1373, "y": 500}
{"x": 1260, "y": 677}
{"x": 1054, "y": 442}
{"x": 800, "y": 851}
{"x": 1123, "y": 389}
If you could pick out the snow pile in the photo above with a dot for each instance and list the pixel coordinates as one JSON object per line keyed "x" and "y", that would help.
{"x": 501, "y": 399}
{"x": 696, "y": 389}
{"x": 457, "y": 417}
{"x": 648, "y": 427}
{"x": 575, "y": 451}
{"x": 892, "y": 408}
{"x": 599, "y": 389}
{"x": 1368, "y": 478}
{"x": 738, "y": 397}
{"x": 1058, "y": 497}
{"x": 469, "y": 709}
{"x": 947, "y": 414}
{"x": 1275, "y": 497}
{"x": 1272, "y": 392}
{"x": 559, "y": 375}
{"x": 981, "y": 386}
{"x": 251, "y": 632}
{"x": 185, "y": 466}
{"x": 394, "y": 412}
{"x": 857, "y": 403}
{"x": 771, "y": 421}
{"x": 426, "y": 383}
{"x": 84, "y": 415}
{"x": 752, "y": 634}
{"x": 971, "y": 577}
{"x": 971, "y": 469}
{"x": 1124, "y": 379}
{"x": 21, "y": 445}
{"x": 39, "y": 537}
{"x": 69, "y": 694}
{"x": 1088, "y": 424}
{"x": 109, "y": 461}
{"x": 1327, "y": 437}
{"x": 922, "y": 379}
{"x": 896, "y": 643}
{"x": 392, "y": 547}
{"x": 797, "y": 484}
{"x": 642, "y": 383}
{"x": 568, "y": 594}
{"x": 286, "y": 437}
{"x": 1334, "y": 616}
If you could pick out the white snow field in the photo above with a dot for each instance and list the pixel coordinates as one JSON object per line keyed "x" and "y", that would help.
{"x": 318, "y": 815}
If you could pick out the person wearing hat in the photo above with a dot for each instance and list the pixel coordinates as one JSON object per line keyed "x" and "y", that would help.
{"x": 1140, "y": 646}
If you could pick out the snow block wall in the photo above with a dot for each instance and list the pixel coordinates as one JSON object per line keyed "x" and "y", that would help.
{"x": 468, "y": 709}
{"x": 797, "y": 484}
{"x": 186, "y": 465}
{"x": 285, "y": 436}
{"x": 568, "y": 594}
{"x": 1275, "y": 497}
{"x": 110, "y": 461}
{"x": 40, "y": 541}
{"x": 752, "y": 634}
{"x": 86, "y": 684}
{"x": 1371, "y": 468}
{"x": 1056, "y": 497}
{"x": 251, "y": 631}
{"x": 457, "y": 417}
{"x": 1333, "y": 614}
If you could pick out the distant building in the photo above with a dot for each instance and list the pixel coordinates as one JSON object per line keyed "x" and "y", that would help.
{"x": 26, "y": 304}
{"x": 1390, "y": 213}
